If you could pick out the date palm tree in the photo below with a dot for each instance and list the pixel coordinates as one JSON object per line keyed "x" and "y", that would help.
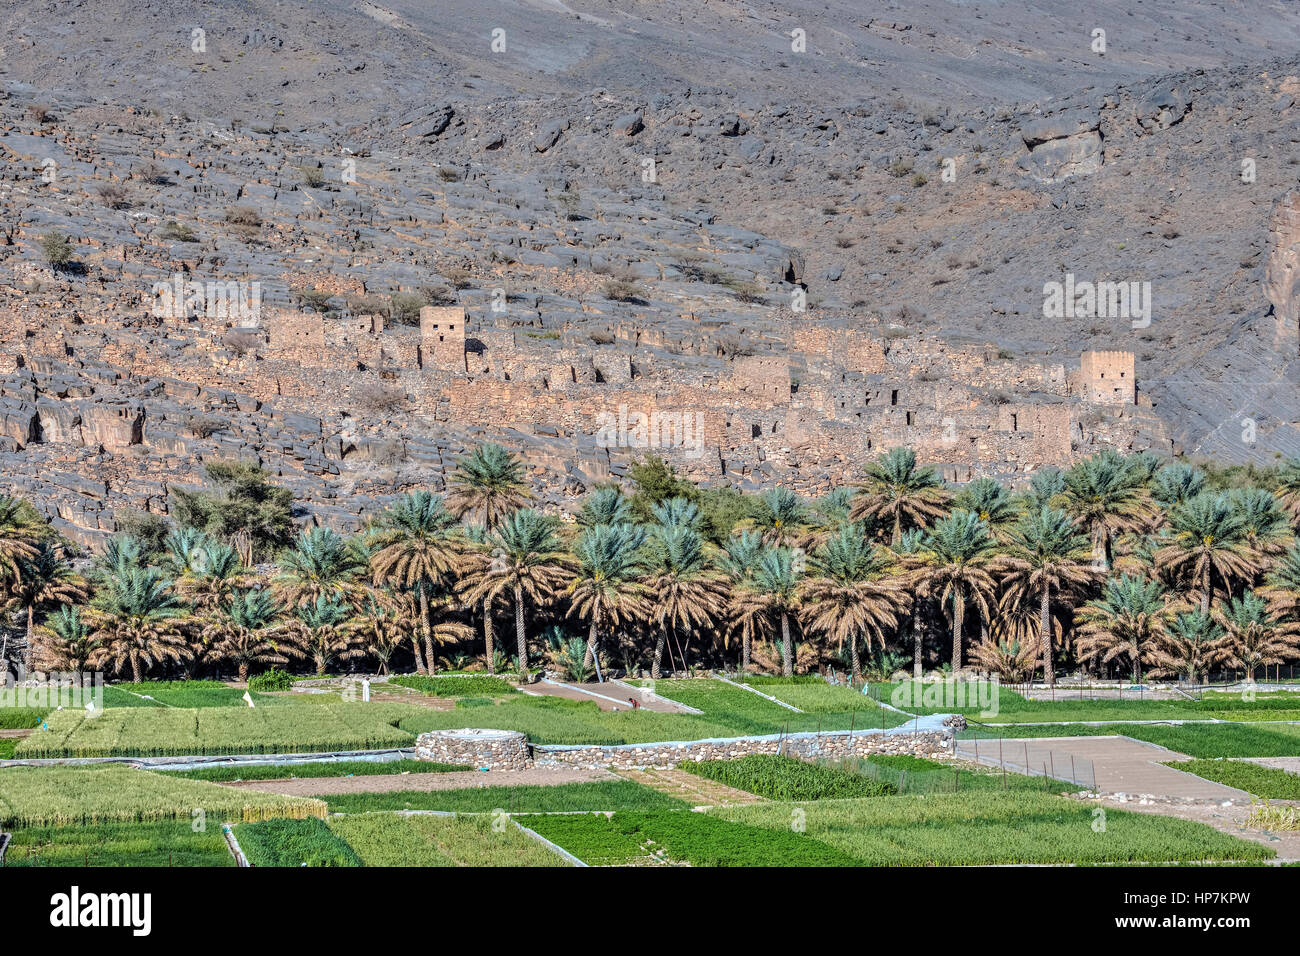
{"x": 737, "y": 561}
{"x": 246, "y": 628}
{"x": 1288, "y": 488}
{"x": 962, "y": 550}
{"x": 64, "y": 641}
{"x": 1255, "y": 637}
{"x": 781, "y": 517}
{"x": 1265, "y": 526}
{"x": 1105, "y": 496}
{"x": 775, "y": 592}
{"x": 850, "y": 596}
{"x": 1194, "y": 642}
{"x": 606, "y": 589}
{"x": 320, "y": 564}
{"x": 685, "y": 591}
{"x": 528, "y": 562}
{"x": 605, "y": 505}
{"x": 990, "y": 501}
{"x": 912, "y": 560}
{"x": 20, "y": 530}
{"x": 322, "y": 633}
{"x": 44, "y": 578}
{"x": 418, "y": 550}
{"x": 488, "y": 483}
{"x": 1047, "y": 555}
{"x": 1012, "y": 660}
{"x": 135, "y": 616}
{"x": 390, "y": 616}
{"x": 898, "y": 492}
{"x": 1176, "y": 484}
{"x": 1129, "y": 619}
{"x": 215, "y": 571}
{"x": 1208, "y": 541}
{"x": 1282, "y": 586}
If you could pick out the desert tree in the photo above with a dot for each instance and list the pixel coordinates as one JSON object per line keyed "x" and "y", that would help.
{"x": 961, "y": 551}
{"x": 1128, "y": 620}
{"x": 606, "y": 589}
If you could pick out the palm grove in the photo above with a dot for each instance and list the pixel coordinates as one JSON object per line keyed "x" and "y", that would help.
{"x": 1120, "y": 564}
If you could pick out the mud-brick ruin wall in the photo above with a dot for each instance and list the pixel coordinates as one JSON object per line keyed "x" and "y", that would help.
{"x": 843, "y": 348}
{"x": 1107, "y": 378}
{"x": 442, "y": 337}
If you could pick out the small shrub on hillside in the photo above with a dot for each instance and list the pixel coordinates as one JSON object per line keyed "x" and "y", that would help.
{"x": 57, "y": 250}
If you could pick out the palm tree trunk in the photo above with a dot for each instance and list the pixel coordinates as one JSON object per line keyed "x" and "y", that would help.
{"x": 916, "y": 647}
{"x": 785, "y": 645}
{"x": 243, "y": 671}
{"x": 590, "y": 655}
{"x": 488, "y": 637}
{"x": 1205, "y": 594}
{"x": 519, "y": 631}
{"x": 135, "y": 668}
{"x": 958, "y": 613}
{"x": 415, "y": 641}
{"x": 745, "y": 640}
{"x": 427, "y": 628}
{"x": 1045, "y": 635}
{"x": 31, "y": 634}
{"x": 659, "y": 652}
{"x": 855, "y": 667}
{"x": 898, "y": 528}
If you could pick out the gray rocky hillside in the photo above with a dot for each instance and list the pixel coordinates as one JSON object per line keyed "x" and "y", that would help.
{"x": 787, "y": 260}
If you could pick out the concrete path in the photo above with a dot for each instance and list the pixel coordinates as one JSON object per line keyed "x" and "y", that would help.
{"x": 1116, "y": 764}
{"x": 610, "y": 695}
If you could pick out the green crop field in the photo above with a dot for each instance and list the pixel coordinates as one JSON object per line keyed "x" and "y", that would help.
{"x": 389, "y": 839}
{"x": 694, "y": 838}
{"x": 305, "y": 842}
{"x": 173, "y": 843}
{"x": 785, "y": 778}
{"x": 144, "y": 732}
{"x": 1269, "y": 783}
{"x": 57, "y": 796}
{"x": 982, "y": 828}
{"x": 594, "y": 795}
{"x": 1196, "y": 740}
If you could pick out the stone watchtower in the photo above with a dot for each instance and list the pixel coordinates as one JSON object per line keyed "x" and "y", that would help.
{"x": 442, "y": 338}
{"x": 1108, "y": 378}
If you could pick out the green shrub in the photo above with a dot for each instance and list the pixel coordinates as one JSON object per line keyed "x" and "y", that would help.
{"x": 455, "y": 685}
{"x": 272, "y": 680}
{"x": 294, "y": 843}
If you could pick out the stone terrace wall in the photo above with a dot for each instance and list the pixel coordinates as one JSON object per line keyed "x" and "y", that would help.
{"x": 860, "y": 743}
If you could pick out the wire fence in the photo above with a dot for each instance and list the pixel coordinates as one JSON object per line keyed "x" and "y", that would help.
{"x": 1027, "y": 757}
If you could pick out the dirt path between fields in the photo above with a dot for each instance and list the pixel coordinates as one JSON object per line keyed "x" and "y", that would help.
{"x": 695, "y": 790}
{"x": 455, "y": 780}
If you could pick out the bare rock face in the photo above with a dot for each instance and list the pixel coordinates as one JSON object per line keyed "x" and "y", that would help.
{"x": 1066, "y": 144}
{"x": 1282, "y": 273}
